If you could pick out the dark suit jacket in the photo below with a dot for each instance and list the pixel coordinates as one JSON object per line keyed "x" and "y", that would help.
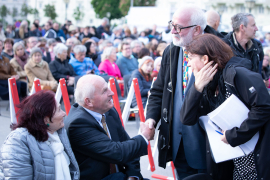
{"x": 94, "y": 150}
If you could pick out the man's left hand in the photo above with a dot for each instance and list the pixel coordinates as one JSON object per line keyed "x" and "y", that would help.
{"x": 223, "y": 137}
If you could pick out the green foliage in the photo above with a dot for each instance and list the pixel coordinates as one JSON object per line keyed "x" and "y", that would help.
{"x": 144, "y": 2}
{"x": 124, "y": 6}
{"x": 34, "y": 12}
{"x": 104, "y": 7}
{"x": 25, "y": 10}
{"x": 49, "y": 11}
{"x": 78, "y": 14}
{"x": 14, "y": 12}
{"x": 4, "y": 11}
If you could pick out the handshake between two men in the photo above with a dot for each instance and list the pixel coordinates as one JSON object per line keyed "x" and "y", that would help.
{"x": 102, "y": 147}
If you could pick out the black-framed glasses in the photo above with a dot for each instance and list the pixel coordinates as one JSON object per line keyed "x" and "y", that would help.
{"x": 178, "y": 28}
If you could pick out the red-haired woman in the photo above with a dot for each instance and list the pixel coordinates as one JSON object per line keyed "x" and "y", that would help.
{"x": 218, "y": 75}
{"x": 39, "y": 147}
{"x": 143, "y": 74}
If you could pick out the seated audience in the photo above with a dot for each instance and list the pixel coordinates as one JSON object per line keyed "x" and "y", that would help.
{"x": 37, "y": 68}
{"x": 108, "y": 64}
{"x": 143, "y": 74}
{"x": 19, "y": 61}
{"x": 143, "y": 52}
{"x": 136, "y": 47}
{"x": 39, "y": 148}
{"x": 7, "y": 71}
{"x": 126, "y": 63}
{"x": 60, "y": 68}
{"x": 8, "y": 51}
{"x": 157, "y": 65}
{"x": 82, "y": 65}
{"x": 91, "y": 52}
{"x": 52, "y": 43}
{"x": 100, "y": 143}
{"x": 143, "y": 38}
{"x": 59, "y": 32}
{"x": 160, "y": 49}
{"x": 33, "y": 42}
{"x": 34, "y": 31}
{"x": 22, "y": 33}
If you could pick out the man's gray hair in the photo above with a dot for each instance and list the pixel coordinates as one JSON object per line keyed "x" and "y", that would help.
{"x": 79, "y": 48}
{"x": 198, "y": 17}
{"x": 238, "y": 19}
{"x": 16, "y": 45}
{"x": 133, "y": 43}
{"x": 51, "y": 41}
{"x": 106, "y": 53}
{"x": 59, "y": 48}
{"x": 86, "y": 90}
{"x": 35, "y": 50}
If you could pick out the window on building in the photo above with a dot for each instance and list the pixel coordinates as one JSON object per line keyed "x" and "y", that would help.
{"x": 91, "y": 21}
{"x": 80, "y": 5}
{"x": 40, "y": 4}
{"x": 242, "y": 8}
{"x": 222, "y": 8}
{"x": 260, "y": 9}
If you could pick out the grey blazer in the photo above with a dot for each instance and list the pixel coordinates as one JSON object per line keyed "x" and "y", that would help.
{"x": 23, "y": 157}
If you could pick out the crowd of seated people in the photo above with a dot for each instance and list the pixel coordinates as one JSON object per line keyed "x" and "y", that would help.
{"x": 50, "y": 53}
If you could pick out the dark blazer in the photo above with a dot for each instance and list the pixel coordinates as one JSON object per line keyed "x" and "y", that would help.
{"x": 94, "y": 150}
{"x": 238, "y": 79}
{"x": 160, "y": 106}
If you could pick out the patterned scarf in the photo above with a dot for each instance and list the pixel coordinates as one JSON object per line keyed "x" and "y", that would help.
{"x": 185, "y": 72}
{"x": 22, "y": 60}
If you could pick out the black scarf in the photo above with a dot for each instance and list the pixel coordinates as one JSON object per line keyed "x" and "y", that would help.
{"x": 210, "y": 91}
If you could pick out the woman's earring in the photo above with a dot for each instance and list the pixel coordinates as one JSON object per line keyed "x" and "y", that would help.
{"x": 48, "y": 125}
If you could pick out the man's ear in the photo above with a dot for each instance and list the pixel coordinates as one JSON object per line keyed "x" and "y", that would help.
{"x": 241, "y": 27}
{"x": 197, "y": 30}
{"x": 205, "y": 59}
{"x": 88, "y": 102}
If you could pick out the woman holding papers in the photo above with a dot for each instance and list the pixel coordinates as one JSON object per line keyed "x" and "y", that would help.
{"x": 218, "y": 75}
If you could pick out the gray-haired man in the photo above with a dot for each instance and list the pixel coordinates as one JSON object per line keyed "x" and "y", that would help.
{"x": 242, "y": 41}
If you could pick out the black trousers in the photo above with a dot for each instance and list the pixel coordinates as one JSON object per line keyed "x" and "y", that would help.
{"x": 181, "y": 165}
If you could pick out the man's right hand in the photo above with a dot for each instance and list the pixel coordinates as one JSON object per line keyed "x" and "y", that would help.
{"x": 146, "y": 131}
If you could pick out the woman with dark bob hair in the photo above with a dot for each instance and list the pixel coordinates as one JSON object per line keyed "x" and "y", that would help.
{"x": 218, "y": 75}
{"x": 39, "y": 148}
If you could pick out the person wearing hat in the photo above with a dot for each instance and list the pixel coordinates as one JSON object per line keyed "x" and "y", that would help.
{"x": 36, "y": 67}
{"x": 143, "y": 74}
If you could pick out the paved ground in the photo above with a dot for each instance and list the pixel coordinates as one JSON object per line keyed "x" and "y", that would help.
{"x": 131, "y": 128}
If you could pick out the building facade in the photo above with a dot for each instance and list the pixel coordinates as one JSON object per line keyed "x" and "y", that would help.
{"x": 89, "y": 18}
{"x": 14, "y": 7}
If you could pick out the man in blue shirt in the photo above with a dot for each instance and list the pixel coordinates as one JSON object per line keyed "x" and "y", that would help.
{"x": 126, "y": 63}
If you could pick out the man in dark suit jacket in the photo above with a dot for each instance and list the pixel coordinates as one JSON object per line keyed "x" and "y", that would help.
{"x": 98, "y": 146}
{"x": 184, "y": 145}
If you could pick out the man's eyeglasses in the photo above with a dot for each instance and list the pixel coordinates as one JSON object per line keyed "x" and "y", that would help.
{"x": 178, "y": 28}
